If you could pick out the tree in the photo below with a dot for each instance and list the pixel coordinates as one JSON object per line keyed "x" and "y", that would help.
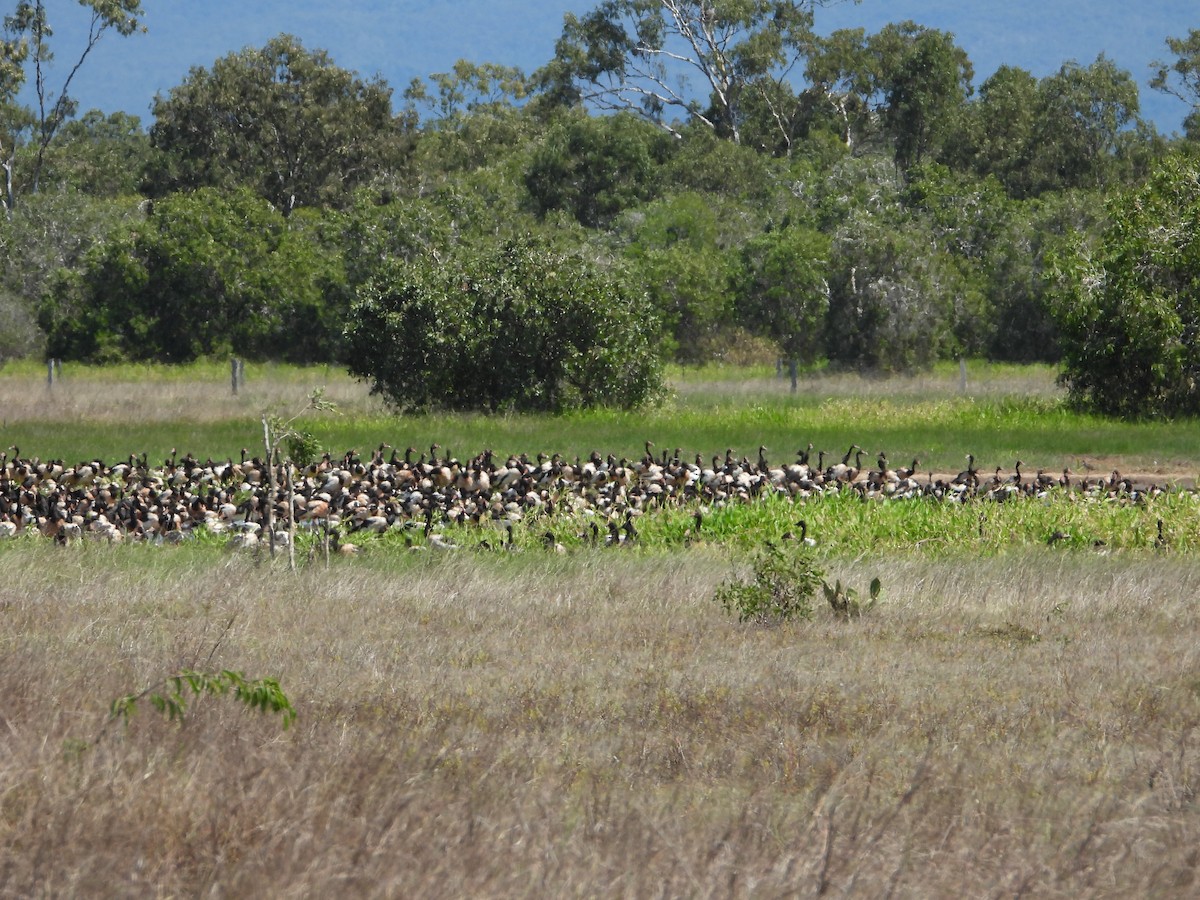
{"x": 841, "y": 82}
{"x": 1128, "y": 308}
{"x": 99, "y": 155}
{"x": 783, "y": 290}
{"x": 1082, "y": 113}
{"x": 893, "y": 296}
{"x": 518, "y": 326}
{"x": 594, "y": 167}
{"x": 1024, "y": 327}
{"x": 680, "y": 248}
{"x": 283, "y": 121}
{"x": 205, "y": 274}
{"x": 468, "y": 88}
{"x": 641, "y": 56}
{"x": 1182, "y": 77}
{"x": 26, "y": 41}
{"x": 1075, "y": 129}
{"x": 54, "y": 231}
{"x": 997, "y": 131}
{"x": 925, "y": 79}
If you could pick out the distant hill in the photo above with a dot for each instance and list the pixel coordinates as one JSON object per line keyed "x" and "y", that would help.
{"x": 402, "y": 41}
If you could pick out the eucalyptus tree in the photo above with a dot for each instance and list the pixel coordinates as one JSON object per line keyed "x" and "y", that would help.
{"x": 1181, "y": 78}
{"x": 681, "y": 61}
{"x": 467, "y": 88}
{"x": 282, "y": 120}
{"x": 26, "y": 45}
{"x": 925, "y": 79}
{"x": 841, "y": 79}
{"x": 996, "y": 133}
{"x": 1083, "y": 116}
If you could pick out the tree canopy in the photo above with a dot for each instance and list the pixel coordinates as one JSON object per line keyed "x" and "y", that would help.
{"x": 1181, "y": 78}
{"x": 283, "y": 121}
{"x": 206, "y": 273}
{"x": 677, "y": 61}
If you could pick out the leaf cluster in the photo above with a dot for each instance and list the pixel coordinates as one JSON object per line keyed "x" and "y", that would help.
{"x": 170, "y": 697}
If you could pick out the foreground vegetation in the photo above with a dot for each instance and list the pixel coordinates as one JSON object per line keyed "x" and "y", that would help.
{"x": 597, "y": 725}
{"x": 1016, "y": 714}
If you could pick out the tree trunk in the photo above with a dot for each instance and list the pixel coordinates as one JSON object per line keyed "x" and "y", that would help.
{"x": 9, "y": 196}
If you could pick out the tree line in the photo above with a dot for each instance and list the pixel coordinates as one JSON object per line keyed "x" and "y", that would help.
{"x": 851, "y": 200}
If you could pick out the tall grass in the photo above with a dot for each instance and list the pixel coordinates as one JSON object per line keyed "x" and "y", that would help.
{"x": 596, "y": 726}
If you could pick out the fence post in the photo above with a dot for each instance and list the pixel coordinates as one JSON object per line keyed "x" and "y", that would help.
{"x": 237, "y": 376}
{"x": 962, "y": 375}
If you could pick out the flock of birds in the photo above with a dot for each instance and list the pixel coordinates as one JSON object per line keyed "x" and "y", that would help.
{"x": 344, "y": 496}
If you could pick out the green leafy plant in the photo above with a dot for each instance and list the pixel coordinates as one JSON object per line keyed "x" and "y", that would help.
{"x": 170, "y": 695}
{"x": 520, "y": 327}
{"x": 781, "y": 587}
{"x": 303, "y": 447}
{"x": 844, "y": 601}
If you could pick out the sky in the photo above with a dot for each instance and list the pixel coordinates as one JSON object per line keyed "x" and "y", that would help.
{"x": 405, "y": 39}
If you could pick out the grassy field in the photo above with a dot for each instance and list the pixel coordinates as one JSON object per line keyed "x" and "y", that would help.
{"x": 596, "y": 726}
{"x": 1012, "y": 718}
{"x": 1007, "y": 413}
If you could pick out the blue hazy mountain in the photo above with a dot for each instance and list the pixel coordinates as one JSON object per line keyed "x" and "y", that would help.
{"x": 404, "y": 40}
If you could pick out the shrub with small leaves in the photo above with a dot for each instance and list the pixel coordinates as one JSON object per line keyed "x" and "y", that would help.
{"x": 782, "y": 587}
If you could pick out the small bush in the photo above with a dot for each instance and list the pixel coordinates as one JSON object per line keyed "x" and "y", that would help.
{"x": 782, "y": 587}
{"x": 844, "y": 602}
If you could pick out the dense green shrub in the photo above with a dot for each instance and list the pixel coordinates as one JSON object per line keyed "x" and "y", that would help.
{"x": 1129, "y": 307}
{"x": 515, "y": 327}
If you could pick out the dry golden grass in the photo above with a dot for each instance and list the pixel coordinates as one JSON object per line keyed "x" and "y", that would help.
{"x": 594, "y": 725}
{"x": 143, "y": 394}
{"x": 984, "y": 381}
